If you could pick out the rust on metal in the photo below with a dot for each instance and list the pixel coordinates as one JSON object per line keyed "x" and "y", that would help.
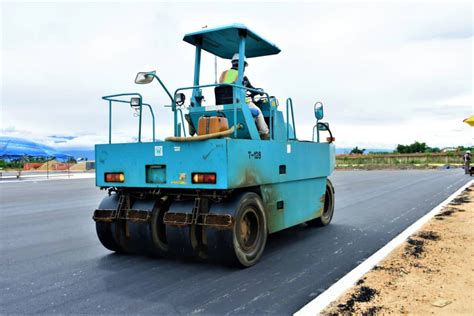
{"x": 177, "y": 219}
{"x": 319, "y": 211}
{"x": 137, "y": 215}
{"x": 104, "y": 215}
{"x": 276, "y": 220}
{"x": 209, "y": 220}
{"x": 215, "y": 220}
{"x": 249, "y": 178}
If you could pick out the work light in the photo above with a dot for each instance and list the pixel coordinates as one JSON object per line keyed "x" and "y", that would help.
{"x": 179, "y": 98}
{"x": 135, "y": 102}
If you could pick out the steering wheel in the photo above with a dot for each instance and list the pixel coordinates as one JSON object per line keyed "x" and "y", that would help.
{"x": 253, "y": 93}
{"x": 256, "y": 96}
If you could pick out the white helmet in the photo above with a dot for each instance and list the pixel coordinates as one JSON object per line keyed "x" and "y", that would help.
{"x": 468, "y": 151}
{"x": 236, "y": 58}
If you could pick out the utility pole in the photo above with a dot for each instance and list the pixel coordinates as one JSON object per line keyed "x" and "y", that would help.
{"x": 215, "y": 62}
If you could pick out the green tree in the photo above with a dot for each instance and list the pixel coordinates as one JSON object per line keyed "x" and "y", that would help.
{"x": 357, "y": 151}
{"x": 401, "y": 149}
{"x": 433, "y": 150}
{"x": 416, "y": 147}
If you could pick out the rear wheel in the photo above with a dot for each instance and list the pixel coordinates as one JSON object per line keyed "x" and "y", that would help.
{"x": 250, "y": 230}
{"x": 328, "y": 208}
{"x": 158, "y": 230}
{"x": 242, "y": 245}
{"x": 148, "y": 238}
{"x": 107, "y": 232}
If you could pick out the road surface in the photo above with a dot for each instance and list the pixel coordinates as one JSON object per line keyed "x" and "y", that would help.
{"x": 52, "y": 262}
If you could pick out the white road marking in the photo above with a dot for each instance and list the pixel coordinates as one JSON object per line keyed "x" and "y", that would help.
{"x": 39, "y": 178}
{"x": 337, "y": 289}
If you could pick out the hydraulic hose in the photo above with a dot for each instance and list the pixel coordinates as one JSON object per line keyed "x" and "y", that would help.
{"x": 328, "y": 129}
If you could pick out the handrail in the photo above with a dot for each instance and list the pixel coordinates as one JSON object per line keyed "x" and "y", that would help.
{"x": 112, "y": 98}
{"x": 221, "y": 84}
{"x": 315, "y": 127}
{"x": 326, "y": 125}
{"x": 289, "y": 104}
{"x": 109, "y": 97}
{"x": 182, "y": 120}
{"x": 152, "y": 119}
{"x": 234, "y": 105}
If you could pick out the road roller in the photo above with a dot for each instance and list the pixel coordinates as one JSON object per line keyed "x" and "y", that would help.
{"x": 215, "y": 188}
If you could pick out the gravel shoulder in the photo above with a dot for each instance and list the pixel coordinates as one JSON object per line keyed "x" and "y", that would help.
{"x": 432, "y": 272}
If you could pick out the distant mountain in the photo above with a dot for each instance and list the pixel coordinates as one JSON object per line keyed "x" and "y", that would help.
{"x": 90, "y": 153}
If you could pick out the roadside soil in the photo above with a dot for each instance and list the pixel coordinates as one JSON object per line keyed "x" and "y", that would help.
{"x": 431, "y": 273}
{"x": 396, "y": 167}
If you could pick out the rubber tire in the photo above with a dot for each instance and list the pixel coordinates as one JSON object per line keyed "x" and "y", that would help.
{"x": 157, "y": 230}
{"x": 107, "y": 231}
{"x": 179, "y": 237}
{"x": 145, "y": 238}
{"x": 328, "y": 210}
{"x": 249, "y": 258}
{"x": 225, "y": 245}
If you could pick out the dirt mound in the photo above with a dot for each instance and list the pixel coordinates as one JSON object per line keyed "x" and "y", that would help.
{"x": 80, "y": 166}
{"x": 48, "y": 165}
{"x": 431, "y": 273}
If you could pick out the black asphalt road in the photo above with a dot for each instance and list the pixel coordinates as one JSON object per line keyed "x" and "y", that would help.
{"x": 52, "y": 262}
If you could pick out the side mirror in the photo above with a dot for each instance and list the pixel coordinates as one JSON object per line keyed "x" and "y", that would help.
{"x": 145, "y": 77}
{"x": 318, "y": 110}
{"x": 135, "y": 102}
{"x": 180, "y": 98}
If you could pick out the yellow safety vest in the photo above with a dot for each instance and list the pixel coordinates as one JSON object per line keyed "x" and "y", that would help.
{"x": 231, "y": 76}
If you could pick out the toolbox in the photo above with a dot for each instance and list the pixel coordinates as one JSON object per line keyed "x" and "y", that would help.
{"x": 212, "y": 124}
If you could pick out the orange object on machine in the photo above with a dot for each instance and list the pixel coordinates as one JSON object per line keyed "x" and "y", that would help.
{"x": 212, "y": 124}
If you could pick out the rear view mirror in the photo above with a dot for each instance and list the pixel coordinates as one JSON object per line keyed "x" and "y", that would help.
{"x": 318, "y": 110}
{"x": 145, "y": 77}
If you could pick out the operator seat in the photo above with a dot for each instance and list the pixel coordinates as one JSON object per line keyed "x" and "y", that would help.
{"x": 224, "y": 95}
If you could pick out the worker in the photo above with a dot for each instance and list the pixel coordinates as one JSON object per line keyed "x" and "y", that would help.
{"x": 467, "y": 161}
{"x": 230, "y": 76}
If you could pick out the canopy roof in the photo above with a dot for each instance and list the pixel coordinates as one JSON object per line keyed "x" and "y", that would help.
{"x": 224, "y": 41}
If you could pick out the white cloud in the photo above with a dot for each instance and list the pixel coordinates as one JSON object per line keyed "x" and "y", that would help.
{"x": 387, "y": 73}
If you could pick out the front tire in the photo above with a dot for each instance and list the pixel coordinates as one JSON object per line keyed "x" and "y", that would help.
{"x": 250, "y": 230}
{"x": 242, "y": 244}
{"x": 328, "y": 208}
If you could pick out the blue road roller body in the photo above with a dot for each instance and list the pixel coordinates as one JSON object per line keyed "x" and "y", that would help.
{"x": 214, "y": 194}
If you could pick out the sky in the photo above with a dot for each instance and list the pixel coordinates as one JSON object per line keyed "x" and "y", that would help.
{"x": 387, "y": 73}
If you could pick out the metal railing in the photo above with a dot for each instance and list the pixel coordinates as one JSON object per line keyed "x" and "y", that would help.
{"x": 289, "y": 105}
{"x": 234, "y": 104}
{"x": 182, "y": 123}
{"x": 113, "y": 98}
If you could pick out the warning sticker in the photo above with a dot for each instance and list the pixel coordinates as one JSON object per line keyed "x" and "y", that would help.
{"x": 158, "y": 151}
